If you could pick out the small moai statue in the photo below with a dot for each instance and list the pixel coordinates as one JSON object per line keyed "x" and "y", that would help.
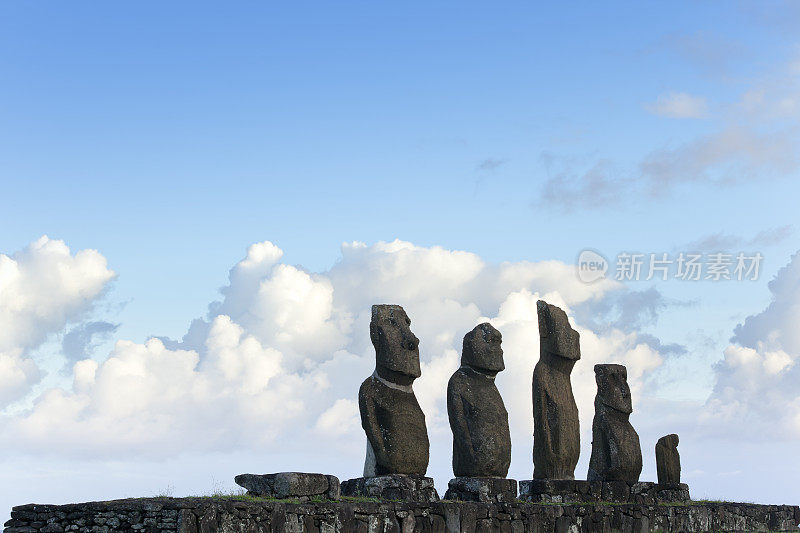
{"x": 668, "y": 460}
{"x": 556, "y": 431}
{"x": 616, "y": 453}
{"x": 478, "y": 417}
{"x": 397, "y": 439}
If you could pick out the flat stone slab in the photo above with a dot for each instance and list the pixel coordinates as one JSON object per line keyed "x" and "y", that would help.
{"x": 578, "y": 491}
{"x": 398, "y": 487}
{"x": 291, "y": 485}
{"x": 482, "y": 489}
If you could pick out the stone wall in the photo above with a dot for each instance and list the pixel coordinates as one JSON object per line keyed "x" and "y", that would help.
{"x": 203, "y": 515}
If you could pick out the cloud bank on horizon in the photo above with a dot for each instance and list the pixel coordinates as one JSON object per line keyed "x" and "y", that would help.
{"x": 282, "y": 353}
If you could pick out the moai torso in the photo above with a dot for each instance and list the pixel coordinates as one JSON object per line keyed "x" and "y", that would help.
{"x": 616, "y": 452}
{"x": 400, "y": 444}
{"x": 668, "y": 460}
{"x": 556, "y": 433}
{"x": 478, "y": 417}
{"x": 397, "y": 438}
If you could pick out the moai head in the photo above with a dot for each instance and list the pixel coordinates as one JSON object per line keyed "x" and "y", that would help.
{"x": 396, "y": 348}
{"x": 482, "y": 350}
{"x": 669, "y": 441}
{"x": 555, "y": 333}
{"x": 612, "y": 387}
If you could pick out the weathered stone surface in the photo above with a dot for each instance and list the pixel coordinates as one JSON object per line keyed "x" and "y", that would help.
{"x": 204, "y": 515}
{"x": 576, "y": 491}
{"x": 482, "y": 489}
{"x": 668, "y": 460}
{"x": 559, "y": 491}
{"x": 296, "y": 485}
{"x": 616, "y": 453}
{"x": 556, "y": 431}
{"x": 397, "y": 438}
{"x": 478, "y": 417}
{"x": 672, "y": 492}
{"x": 397, "y": 487}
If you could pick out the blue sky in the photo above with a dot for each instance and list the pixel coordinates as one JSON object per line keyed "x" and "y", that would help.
{"x": 153, "y": 132}
{"x": 170, "y": 137}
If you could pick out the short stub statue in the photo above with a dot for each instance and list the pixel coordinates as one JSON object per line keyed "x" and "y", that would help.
{"x": 668, "y": 460}
{"x": 397, "y": 438}
{"x": 616, "y": 453}
{"x": 479, "y": 421}
{"x": 668, "y": 468}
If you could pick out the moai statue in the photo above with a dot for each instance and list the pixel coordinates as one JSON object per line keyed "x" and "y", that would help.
{"x": 397, "y": 439}
{"x": 478, "y": 417}
{"x": 556, "y": 433}
{"x": 668, "y": 460}
{"x": 616, "y": 454}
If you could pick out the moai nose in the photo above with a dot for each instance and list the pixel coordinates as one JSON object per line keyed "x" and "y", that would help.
{"x": 410, "y": 342}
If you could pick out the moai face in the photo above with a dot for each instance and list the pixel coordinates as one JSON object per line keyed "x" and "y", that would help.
{"x": 555, "y": 333}
{"x": 482, "y": 351}
{"x": 396, "y": 347}
{"x": 612, "y": 387}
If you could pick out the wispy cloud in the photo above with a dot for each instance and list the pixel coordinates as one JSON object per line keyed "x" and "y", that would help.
{"x": 489, "y": 164}
{"x": 628, "y": 311}
{"x": 679, "y": 105}
{"x": 727, "y": 241}
{"x": 568, "y": 189}
{"x": 727, "y": 156}
{"x": 756, "y": 137}
{"x": 708, "y": 52}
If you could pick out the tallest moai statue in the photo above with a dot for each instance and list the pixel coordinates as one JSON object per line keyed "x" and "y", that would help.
{"x": 556, "y": 433}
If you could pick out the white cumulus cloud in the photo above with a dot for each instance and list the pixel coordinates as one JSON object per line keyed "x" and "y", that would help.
{"x": 757, "y": 381}
{"x": 42, "y": 288}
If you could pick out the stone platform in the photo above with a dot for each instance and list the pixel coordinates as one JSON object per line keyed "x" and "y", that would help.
{"x": 482, "y": 489}
{"x": 301, "y": 486}
{"x": 578, "y": 491}
{"x": 395, "y": 487}
{"x": 228, "y": 515}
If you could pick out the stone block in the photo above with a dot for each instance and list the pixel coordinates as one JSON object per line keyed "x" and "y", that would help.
{"x": 577, "y": 491}
{"x": 398, "y": 487}
{"x": 290, "y": 485}
{"x": 672, "y": 492}
{"x": 482, "y": 489}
